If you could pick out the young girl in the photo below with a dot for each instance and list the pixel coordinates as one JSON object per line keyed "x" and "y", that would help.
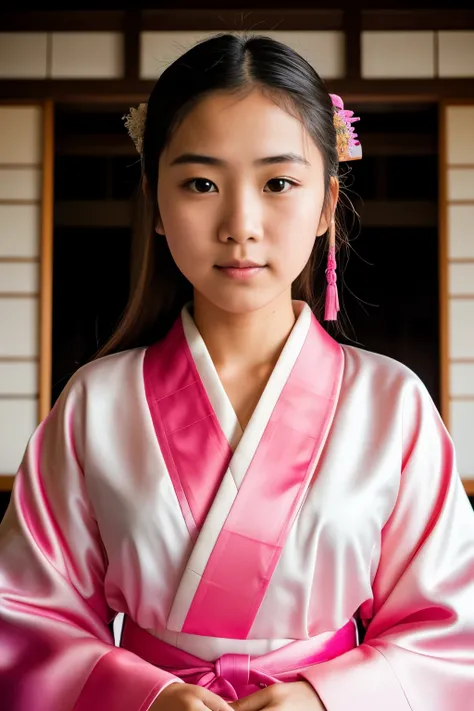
{"x": 245, "y": 490}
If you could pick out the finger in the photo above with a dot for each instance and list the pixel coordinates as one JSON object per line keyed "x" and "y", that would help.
{"x": 254, "y": 702}
{"x": 213, "y": 701}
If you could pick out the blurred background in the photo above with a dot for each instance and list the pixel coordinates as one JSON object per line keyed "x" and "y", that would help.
{"x": 69, "y": 176}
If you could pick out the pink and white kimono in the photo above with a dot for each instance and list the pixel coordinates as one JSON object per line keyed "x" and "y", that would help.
{"x": 240, "y": 559}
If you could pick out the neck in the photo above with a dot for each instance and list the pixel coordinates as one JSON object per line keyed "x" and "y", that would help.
{"x": 252, "y": 340}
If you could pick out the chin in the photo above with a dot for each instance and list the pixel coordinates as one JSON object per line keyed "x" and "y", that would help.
{"x": 242, "y": 303}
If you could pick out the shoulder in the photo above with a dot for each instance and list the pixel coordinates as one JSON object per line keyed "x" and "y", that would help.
{"x": 106, "y": 374}
{"x": 390, "y": 394}
{"x": 376, "y": 364}
{"x": 381, "y": 376}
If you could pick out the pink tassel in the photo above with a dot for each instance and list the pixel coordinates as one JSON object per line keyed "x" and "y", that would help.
{"x": 332, "y": 297}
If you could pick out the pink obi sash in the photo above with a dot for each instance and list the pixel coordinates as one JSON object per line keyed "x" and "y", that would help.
{"x": 234, "y": 676}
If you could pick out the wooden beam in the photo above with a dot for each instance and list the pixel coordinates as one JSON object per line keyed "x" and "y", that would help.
{"x": 117, "y": 91}
{"x": 24, "y": 260}
{"x": 258, "y": 20}
{"x": 179, "y": 16}
{"x": 131, "y": 30}
{"x": 352, "y": 30}
{"x": 220, "y": 16}
{"x": 19, "y": 359}
{"x": 19, "y": 295}
{"x": 417, "y": 19}
{"x": 18, "y": 396}
{"x": 46, "y": 289}
{"x": 63, "y": 21}
{"x": 469, "y": 486}
{"x": 6, "y": 482}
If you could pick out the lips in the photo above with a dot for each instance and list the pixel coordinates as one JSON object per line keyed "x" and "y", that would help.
{"x": 244, "y": 270}
{"x": 235, "y": 264}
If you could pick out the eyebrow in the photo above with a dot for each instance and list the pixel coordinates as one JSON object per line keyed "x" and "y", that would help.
{"x": 195, "y": 158}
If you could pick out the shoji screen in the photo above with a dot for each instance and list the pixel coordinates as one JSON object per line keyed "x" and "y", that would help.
{"x": 457, "y": 279}
{"x": 26, "y": 199}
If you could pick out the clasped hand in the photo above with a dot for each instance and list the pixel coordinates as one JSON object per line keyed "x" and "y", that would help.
{"x": 296, "y": 696}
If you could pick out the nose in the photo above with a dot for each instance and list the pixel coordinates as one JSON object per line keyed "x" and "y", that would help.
{"x": 241, "y": 220}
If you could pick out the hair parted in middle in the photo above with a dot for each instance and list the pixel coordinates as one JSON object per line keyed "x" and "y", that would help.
{"x": 235, "y": 63}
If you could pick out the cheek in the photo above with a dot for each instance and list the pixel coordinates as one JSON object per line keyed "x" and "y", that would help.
{"x": 294, "y": 251}
{"x": 186, "y": 252}
{"x": 296, "y": 235}
{"x": 189, "y": 248}
{"x": 186, "y": 224}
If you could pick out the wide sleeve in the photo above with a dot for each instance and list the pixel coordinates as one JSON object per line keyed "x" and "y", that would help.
{"x": 418, "y": 651}
{"x": 56, "y": 649}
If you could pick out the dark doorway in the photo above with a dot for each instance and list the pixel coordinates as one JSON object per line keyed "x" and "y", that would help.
{"x": 390, "y": 289}
{"x": 96, "y": 177}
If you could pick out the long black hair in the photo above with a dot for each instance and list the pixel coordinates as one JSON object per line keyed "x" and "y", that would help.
{"x": 232, "y": 63}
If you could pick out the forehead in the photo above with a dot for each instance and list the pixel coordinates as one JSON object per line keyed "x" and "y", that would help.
{"x": 253, "y": 124}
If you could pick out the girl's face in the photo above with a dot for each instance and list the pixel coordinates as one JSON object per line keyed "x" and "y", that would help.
{"x": 240, "y": 195}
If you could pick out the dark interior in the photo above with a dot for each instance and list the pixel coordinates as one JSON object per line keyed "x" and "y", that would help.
{"x": 390, "y": 291}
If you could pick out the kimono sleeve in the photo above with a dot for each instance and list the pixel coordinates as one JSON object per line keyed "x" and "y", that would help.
{"x": 56, "y": 649}
{"x": 418, "y": 651}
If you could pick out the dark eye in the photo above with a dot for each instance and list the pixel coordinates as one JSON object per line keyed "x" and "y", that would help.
{"x": 277, "y": 185}
{"x": 201, "y": 185}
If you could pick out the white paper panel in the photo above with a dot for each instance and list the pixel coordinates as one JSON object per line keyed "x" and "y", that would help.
{"x": 456, "y": 54}
{"x": 18, "y": 420}
{"x": 19, "y": 378}
{"x": 459, "y": 134}
{"x": 20, "y": 230}
{"x": 22, "y": 278}
{"x": 159, "y": 49}
{"x": 397, "y": 54}
{"x": 325, "y": 51}
{"x": 461, "y": 279}
{"x": 20, "y": 134}
{"x": 461, "y": 183}
{"x": 20, "y": 183}
{"x": 461, "y": 231}
{"x": 23, "y": 55}
{"x": 461, "y": 327}
{"x": 19, "y": 327}
{"x": 462, "y": 429}
{"x": 87, "y": 55}
{"x": 462, "y": 379}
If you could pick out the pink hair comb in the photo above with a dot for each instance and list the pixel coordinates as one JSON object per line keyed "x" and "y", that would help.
{"x": 348, "y": 147}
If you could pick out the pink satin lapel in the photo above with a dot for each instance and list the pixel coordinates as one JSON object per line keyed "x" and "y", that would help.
{"x": 247, "y": 551}
{"x": 236, "y": 675}
{"x": 193, "y": 445}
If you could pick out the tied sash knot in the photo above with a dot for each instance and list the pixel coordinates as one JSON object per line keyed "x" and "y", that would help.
{"x": 233, "y": 676}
